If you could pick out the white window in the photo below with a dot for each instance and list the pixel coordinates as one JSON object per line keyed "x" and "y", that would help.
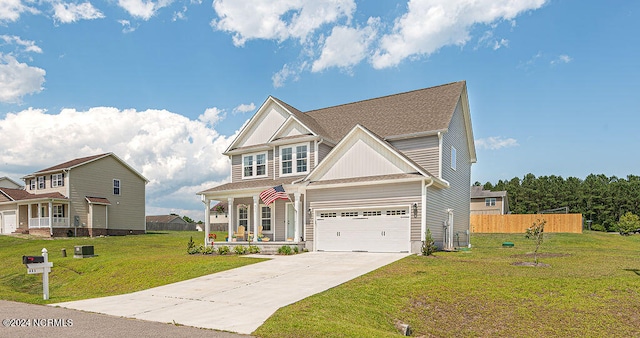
{"x": 116, "y": 187}
{"x": 243, "y": 216}
{"x": 265, "y": 218}
{"x": 57, "y": 180}
{"x": 32, "y": 184}
{"x": 254, "y": 165}
{"x": 58, "y": 211}
{"x": 294, "y": 160}
{"x": 453, "y": 158}
{"x": 41, "y": 184}
{"x": 490, "y": 201}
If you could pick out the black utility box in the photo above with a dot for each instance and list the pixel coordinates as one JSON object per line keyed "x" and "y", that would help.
{"x": 83, "y": 251}
{"x": 32, "y": 259}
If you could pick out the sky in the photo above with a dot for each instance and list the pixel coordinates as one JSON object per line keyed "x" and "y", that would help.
{"x": 167, "y": 84}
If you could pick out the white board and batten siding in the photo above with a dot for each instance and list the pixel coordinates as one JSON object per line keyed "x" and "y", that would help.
{"x": 265, "y": 125}
{"x": 457, "y": 196}
{"x": 361, "y": 199}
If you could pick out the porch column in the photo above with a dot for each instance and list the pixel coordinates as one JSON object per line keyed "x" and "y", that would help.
{"x": 50, "y": 218}
{"x": 207, "y": 219}
{"x": 256, "y": 205}
{"x": 296, "y": 232}
{"x": 39, "y": 213}
{"x": 230, "y": 217}
{"x": 29, "y": 214}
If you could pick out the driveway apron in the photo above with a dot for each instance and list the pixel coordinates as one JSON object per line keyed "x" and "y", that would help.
{"x": 241, "y": 299}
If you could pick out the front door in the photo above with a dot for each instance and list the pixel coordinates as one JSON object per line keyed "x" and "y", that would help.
{"x": 291, "y": 222}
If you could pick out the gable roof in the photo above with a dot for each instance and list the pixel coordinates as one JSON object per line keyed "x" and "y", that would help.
{"x": 479, "y": 192}
{"x": 82, "y": 161}
{"x": 414, "y": 112}
{"x": 21, "y": 194}
{"x": 9, "y": 181}
{"x": 97, "y": 200}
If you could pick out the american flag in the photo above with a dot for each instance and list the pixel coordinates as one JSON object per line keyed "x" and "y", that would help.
{"x": 272, "y": 194}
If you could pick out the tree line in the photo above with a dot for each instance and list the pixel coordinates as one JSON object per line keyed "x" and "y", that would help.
{"x": 599, "y": 198}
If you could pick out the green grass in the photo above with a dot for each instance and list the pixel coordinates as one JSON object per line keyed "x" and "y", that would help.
{"x": 123, "y": 264}
{"x": 592, "y": 288}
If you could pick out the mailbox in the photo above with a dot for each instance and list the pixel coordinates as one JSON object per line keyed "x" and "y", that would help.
{"x": 32, "y": 259}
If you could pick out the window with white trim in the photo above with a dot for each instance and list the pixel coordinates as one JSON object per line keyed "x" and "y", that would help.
{"x": 57, "y": 180}
{"x": 254, "y": 165}
{"x": 490, "y": 201}
{"x": 116, "y": 187}
{"x": 32, "y": 184}
{"x": 453, "y": 158}
{"x": 243, "y": 216}
{"x": 58, "y": 211}
{"x": 41, "y": 184}
{"x": 294, "y": 159}
{"x": 265, "y": 218}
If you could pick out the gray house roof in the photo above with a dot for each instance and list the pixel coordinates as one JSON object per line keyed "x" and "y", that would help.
{"x": 418, "y": 111}
{"x": 479, "y": 192}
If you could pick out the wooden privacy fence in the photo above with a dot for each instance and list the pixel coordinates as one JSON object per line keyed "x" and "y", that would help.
{"x": 519, "y": 223}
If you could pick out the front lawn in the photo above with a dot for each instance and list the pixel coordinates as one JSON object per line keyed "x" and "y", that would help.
{"x": 591, "y": 289}
{"x": 123, "y": 264}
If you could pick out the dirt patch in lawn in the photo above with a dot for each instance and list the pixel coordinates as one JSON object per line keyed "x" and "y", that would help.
{"x": 532, "y": 264}
{"x": 541, "y": 255}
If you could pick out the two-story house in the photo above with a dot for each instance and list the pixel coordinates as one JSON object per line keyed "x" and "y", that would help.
{"x": 89, "y": 196}
{"x": 371, "y": 175}
{"x": 486, "y": 202}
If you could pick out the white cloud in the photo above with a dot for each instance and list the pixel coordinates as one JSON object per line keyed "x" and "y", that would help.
{"x": 279, "y": 78}
{"x": 244, "y": 108}
{"x": 502, "y": 43}
{"x": 496, "y": 142}
{"x": 29, "y": 46}
{"x": 346, "y": 46}
{"x": 212, "y": 116}
{"x": 143, "y": 9}
{"x": 180, "y": 15}
{"x": 10, "y": 10}
{"x": 71, "y": 12}
{"x": 179, "y": 156}
{"x": 430, "y": 25}
{"x": 563, "y": 58}
{"x": 126, "y": 26}
{"x": 18, "y": 79}
{"x": 277, "y": 20}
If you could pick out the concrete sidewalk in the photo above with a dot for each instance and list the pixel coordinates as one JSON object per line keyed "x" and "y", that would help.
{"x": 241, "y": 299}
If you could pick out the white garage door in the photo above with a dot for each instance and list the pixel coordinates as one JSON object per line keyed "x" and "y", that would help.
{"x": 373, "y": 230}
{"x": 8, "y": 222}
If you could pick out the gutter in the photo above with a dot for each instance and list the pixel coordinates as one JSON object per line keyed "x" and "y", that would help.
{"x": 423, "y": 202}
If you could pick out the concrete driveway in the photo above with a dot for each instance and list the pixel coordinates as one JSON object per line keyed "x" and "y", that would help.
{"x": 240, "y": 300}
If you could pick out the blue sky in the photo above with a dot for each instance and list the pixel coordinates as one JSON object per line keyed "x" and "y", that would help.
{"x": 166, "y": 84}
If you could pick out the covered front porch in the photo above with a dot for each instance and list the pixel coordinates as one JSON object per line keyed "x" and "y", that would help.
{"x": 250, "y": 221}
{"x": 42, "y": 214}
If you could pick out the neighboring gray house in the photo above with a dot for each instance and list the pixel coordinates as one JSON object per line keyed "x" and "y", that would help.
{"x": 485, "y": 202}
{"x": 6, "y": 182}
{"x": 168, "y": 222}
{"x": 371, "y": 175}
{"x": 89, "y": 196}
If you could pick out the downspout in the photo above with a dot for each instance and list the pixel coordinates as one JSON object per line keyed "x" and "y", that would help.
{"x": 423, "y": 221}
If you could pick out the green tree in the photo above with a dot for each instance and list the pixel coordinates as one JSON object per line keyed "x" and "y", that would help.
{"x": 628, "y": 223}
{"x": 536, "y": 232}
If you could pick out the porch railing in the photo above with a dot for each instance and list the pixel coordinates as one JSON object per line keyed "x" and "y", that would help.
{"x": 43, "y": 222}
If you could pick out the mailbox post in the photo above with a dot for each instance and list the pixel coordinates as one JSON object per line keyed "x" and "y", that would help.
{"x": 40, "y": 264}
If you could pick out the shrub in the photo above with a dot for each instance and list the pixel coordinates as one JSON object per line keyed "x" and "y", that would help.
{"x": 628, "y": 223}
{"x": 240, "y": 250}
{"x": 192, "y": 248}
{"x": 223, "y": 250}
{"x": 598, "y": 227}
{"x": 285, "y": 250}
{"x": 295, "y": 249}
{"x": 254, "y": 249}
{"x": 429, "y": 245}
{"x": 209, "y": 250}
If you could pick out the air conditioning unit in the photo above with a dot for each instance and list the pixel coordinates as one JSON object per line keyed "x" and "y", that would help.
{"x": 83, "y": 251}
